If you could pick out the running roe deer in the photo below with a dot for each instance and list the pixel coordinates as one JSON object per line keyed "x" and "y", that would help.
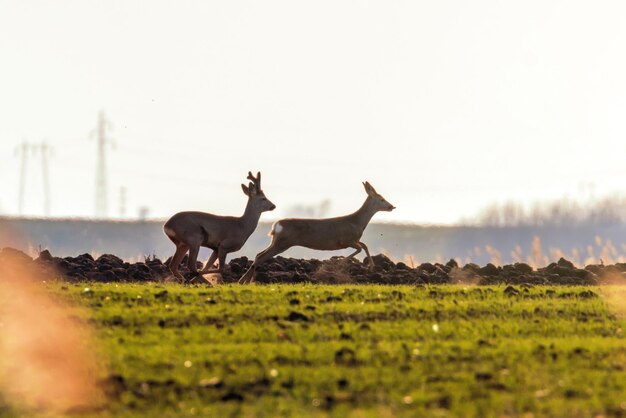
{"x": 323, "y": 234}
{"x": 223, "y": 234}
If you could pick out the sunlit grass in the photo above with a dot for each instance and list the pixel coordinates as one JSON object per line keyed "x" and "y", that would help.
{"x": 304, "y": 350}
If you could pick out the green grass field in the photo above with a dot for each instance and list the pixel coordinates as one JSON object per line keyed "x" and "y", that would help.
{"x": 359, "y": 351}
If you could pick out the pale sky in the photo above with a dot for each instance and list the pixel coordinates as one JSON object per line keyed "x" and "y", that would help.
{"x": 444, "y": 106}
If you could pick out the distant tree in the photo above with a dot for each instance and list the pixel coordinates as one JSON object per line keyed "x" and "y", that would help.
{"x": 317, "y": 210}
{"x": 610, "y": 210}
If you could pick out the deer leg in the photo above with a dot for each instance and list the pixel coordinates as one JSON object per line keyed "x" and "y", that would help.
{"x": 221, "y": 254}
{"x": 181, "y": 249}
{"x": 193, "y": 258}
{"x": 369, "y": 257}
{"x": 209, "y": 263}
{"x": 222, "y": 261}
{"x": 357, "y": 246}
{"x": 250, "y": 275}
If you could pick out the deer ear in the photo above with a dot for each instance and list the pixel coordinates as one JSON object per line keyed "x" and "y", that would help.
{"x": 252, "y": 188}
{"x": 245, "y": 189}
{"x": 370, "y": 189}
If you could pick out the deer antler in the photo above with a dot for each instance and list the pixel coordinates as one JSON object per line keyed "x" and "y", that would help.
{"x": 255, "y": 180}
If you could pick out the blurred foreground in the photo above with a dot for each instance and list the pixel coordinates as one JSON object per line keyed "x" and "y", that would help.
{"x": 48, "y": 363}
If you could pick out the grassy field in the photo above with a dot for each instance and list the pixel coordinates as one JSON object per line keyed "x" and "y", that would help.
{"x": 359, "y": 351}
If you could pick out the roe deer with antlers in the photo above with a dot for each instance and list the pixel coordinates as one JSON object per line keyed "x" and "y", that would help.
{"x": 223, "y": 234}
{"x": 323, "y": 234}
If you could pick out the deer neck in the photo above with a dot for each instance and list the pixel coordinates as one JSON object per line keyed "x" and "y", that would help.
{"x": 250, "y": 217}
{"x": 363, "y": 216}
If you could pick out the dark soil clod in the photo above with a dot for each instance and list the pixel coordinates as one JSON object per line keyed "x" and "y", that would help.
{"x": 297, "y": 316}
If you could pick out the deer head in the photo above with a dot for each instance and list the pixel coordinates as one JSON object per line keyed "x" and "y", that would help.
{"x": 379, "y": 202}
{"x": 256, "y": 197}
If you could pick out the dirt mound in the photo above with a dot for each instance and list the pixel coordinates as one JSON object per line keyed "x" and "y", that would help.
{"x": 336, "y": 270}
{"x": 106, "y": 268}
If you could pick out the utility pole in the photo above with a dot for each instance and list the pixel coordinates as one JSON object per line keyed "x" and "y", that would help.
{"x": 22, "y": 152}
{"x": 45, "y": 153}
{"x": 101, "y": 168}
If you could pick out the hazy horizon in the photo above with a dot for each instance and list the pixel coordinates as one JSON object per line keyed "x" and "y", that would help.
{"x": 444, "y": 107}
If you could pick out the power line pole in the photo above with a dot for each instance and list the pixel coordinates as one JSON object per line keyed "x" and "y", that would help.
{"x": 46, "y": 150}
{"x": 101, "y": 205}
{"x": 22, "y": 151}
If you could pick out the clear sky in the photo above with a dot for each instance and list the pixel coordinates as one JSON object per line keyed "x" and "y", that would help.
{"x": 444, "y": 106}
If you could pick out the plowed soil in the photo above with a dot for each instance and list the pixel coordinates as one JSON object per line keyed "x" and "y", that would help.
{"x": 336, "y": 270}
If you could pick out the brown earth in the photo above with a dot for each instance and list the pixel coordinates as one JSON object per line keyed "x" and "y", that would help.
{"x": 336, "y": 270}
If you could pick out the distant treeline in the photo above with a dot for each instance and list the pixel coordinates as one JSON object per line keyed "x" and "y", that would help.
{"x": 411, "y": 243}
{"x": 562, "y": 212}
